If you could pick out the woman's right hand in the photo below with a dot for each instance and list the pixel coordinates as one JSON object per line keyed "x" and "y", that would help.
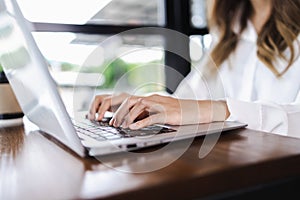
{"x": 103, "y": 103}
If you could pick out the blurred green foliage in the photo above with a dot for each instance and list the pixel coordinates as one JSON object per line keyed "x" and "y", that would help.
{"x": 1, "y": 69}
{"x": 136, "y": 73}
{"x": 111, "y": 71}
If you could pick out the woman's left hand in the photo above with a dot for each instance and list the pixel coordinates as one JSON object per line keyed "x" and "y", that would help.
{"x": 165, "y": 110}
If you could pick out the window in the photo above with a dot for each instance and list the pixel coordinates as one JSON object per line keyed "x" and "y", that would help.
{"x": 139, "y": 58}
{"x": 198, "y": 14}
{"x": 200, "y": 42}
{"x": 68, "y": 32}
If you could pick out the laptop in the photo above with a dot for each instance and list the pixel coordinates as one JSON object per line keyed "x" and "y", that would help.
{"x": 37, "y": 94}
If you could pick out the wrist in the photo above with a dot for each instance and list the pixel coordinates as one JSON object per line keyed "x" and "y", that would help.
{"x": 220, "y": 111}
{"x": 212, "y": 111}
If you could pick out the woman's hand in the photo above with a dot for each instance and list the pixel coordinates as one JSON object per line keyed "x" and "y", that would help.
{"x": 167, "y": 110}
{"x": 103, "y": 103}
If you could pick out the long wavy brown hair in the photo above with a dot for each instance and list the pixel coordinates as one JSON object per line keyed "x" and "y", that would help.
{"x": 278, "y": 33}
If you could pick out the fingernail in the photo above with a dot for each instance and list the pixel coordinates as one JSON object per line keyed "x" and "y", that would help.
{"x": 99, "y": 118}
{"x": 111, "y": 122}
{"x": 90, "y": 117}
{"x": 115, "y": 124}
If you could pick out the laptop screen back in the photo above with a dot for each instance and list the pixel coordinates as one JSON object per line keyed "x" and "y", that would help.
{"x": 29, "y": 77}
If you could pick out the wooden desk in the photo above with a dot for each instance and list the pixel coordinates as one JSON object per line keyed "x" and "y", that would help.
{"x": 32, "y": 167}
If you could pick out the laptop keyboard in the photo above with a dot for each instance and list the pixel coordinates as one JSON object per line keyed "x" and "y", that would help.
{"x": 103, "y": 131}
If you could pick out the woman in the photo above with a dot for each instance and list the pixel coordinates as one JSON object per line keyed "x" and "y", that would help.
{"x": 256, "y": 51}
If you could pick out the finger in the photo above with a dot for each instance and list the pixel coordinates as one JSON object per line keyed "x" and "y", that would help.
{"x": 133, "y": 114}
{"x": 94, "y": 107}
{"x": 109, "y": 102}
{"x": 123, "y": 110}
{"x": 117, "y": 101}
{"x": 104, "y": 106}
{"x": 152, "y": 119}
{"x": 112, "y": 121}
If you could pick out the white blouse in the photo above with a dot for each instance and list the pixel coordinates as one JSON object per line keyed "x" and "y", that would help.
{"x": 253, "y": 93}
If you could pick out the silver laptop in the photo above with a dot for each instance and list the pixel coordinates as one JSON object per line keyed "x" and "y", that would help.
{"x": 37, "y": 94}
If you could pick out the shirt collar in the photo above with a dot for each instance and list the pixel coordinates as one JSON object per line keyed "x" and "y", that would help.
{"x": 249, "y": 33}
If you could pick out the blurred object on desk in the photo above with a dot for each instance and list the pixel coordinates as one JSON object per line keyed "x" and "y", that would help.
{"x": 10, "y": 111}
